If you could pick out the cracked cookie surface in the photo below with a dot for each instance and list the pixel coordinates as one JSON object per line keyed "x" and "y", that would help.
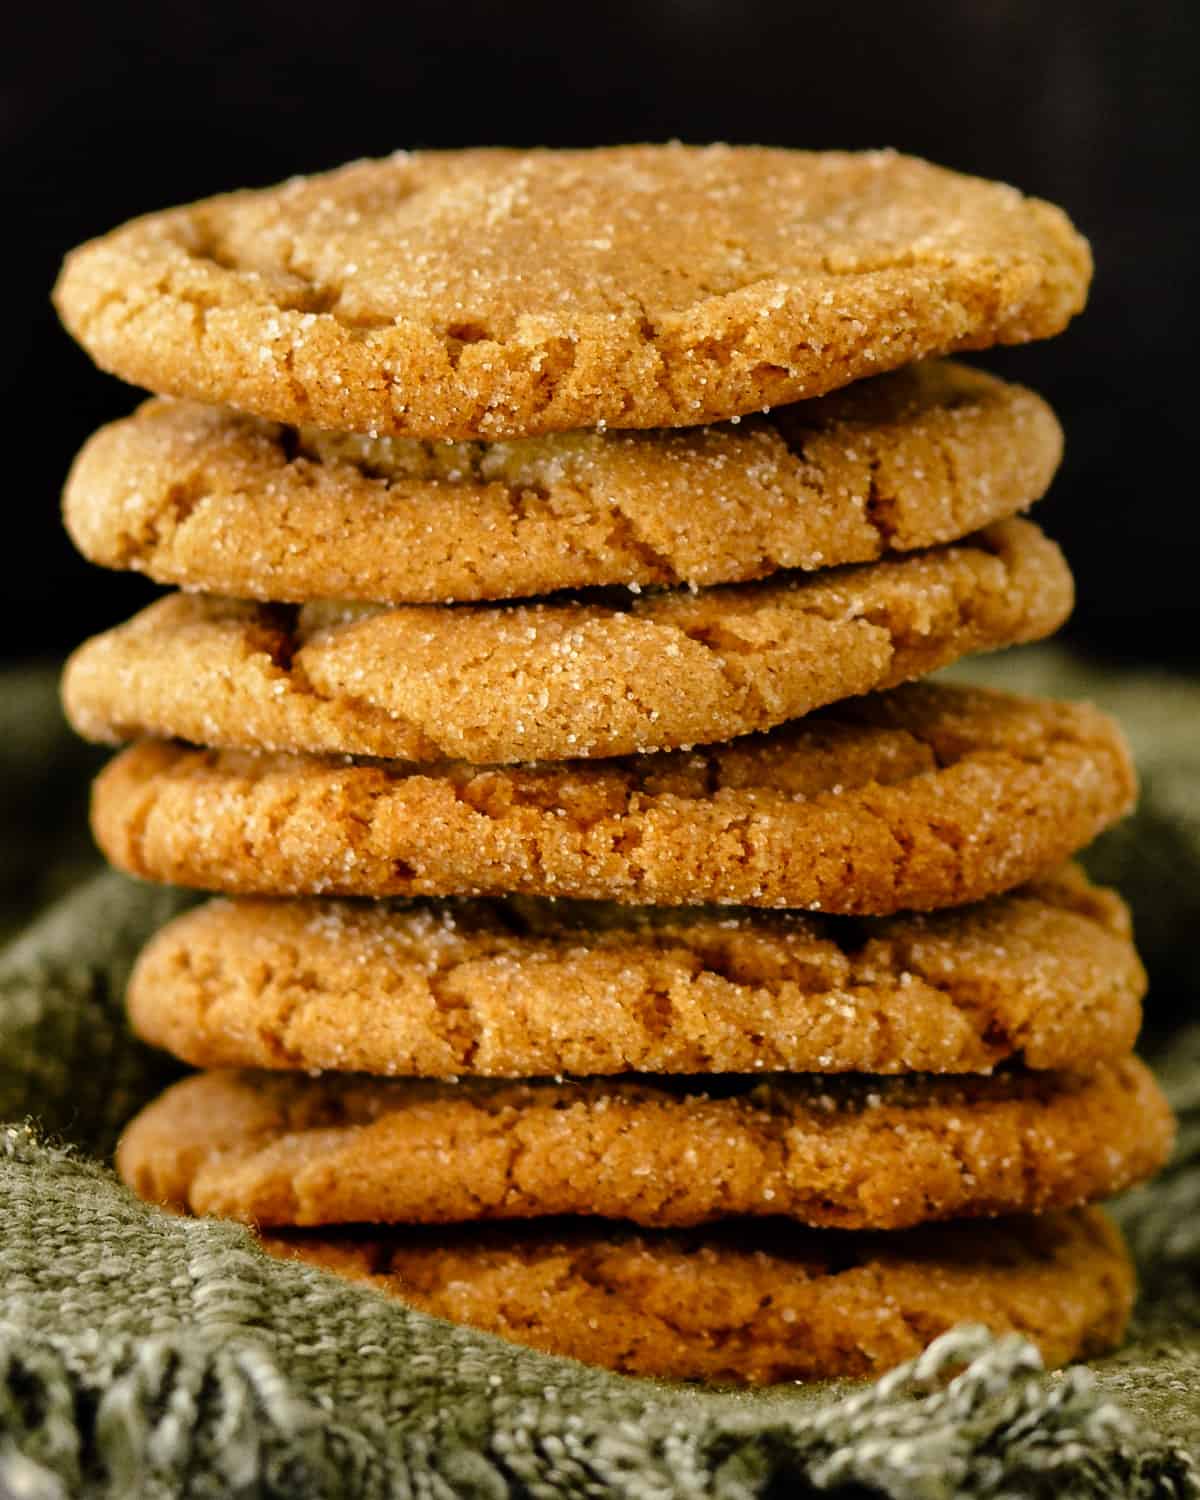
{"x": 499, "y": 684}
{"x": 509, "y": 293}
{"x": 850, "y": 1152}
{"x": 224, "y": 503}
{"x": 525, "y": 988}
{"x": 930, "y": 795}
{"x": 751, "y": 1303}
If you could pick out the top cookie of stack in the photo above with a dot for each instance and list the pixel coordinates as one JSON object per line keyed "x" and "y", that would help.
{"x": 496, "y": 294}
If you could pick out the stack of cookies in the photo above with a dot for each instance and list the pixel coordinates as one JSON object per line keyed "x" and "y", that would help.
{"x": 620, "y": 950}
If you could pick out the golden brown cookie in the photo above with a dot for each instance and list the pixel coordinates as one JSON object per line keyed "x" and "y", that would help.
{"x": 213, "y": 500}
{"x": 502, "y": 293}
{"x": 525, "y": 988}
{"x": 498, "y": 684}
{"x": 849, "y": 1152}
{"x": 756, "y": 1303}
{"x": 927, "y": 796}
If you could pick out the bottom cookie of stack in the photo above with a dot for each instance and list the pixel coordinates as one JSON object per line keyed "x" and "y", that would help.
{"x": 724, "y": 1224}
{"x": 749, "y": 1303}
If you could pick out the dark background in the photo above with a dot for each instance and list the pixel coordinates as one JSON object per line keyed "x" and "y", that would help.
{"x": 116, "y": 109}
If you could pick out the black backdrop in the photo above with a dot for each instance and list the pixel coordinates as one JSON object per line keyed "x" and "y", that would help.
{"x": 113, "y": 109}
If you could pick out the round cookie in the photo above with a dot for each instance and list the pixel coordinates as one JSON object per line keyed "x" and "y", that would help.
{"x": 224, "y": 503}
{"x": 526, "y": 988}
{"x": 505, "y": 293}
{"x": 848, "y": 1152}
{"x": 498, "y": 684}
{"x": 931, "y": 795}
{"x": 736, "y": 1304}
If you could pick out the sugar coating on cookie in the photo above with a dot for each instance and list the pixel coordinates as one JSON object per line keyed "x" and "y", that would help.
{"x": 850, "y": 1152}
{"x": 528, "y": 988}
{"x": 499, "y": 684}
{"x": 216, "y": 501}
{"x": 931, "y": 795}
{"x": 750, "y": 1303}
{"x": 501, "y": 293}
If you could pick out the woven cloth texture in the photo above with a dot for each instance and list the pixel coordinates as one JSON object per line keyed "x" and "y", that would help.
{"x": 145, "y": 1355}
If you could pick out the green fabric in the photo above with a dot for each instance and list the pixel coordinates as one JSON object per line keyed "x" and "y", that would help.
{"x": 143, "y": 1355}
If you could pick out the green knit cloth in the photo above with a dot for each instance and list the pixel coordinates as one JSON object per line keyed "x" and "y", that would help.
{"x": 145, "y": 1355}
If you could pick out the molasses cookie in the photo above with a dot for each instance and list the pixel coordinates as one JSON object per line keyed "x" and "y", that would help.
{"x": 500, "y": 684}
{"x": 216, "y": 501}
{"x": 751, "y": 1304}
{"x": 523, "y": 988}
{"x": 842, "y": 1152}
{"x": 501, "y": 293}
{"x": 924, "y": 797}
